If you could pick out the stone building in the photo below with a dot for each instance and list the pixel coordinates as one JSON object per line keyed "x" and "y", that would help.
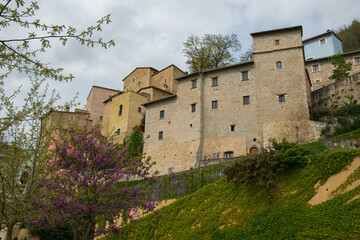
{"x": 321, "y": 69}
{"x": 94, "y": 102}
{"x": 119, "y": 111}
{"x": 122, "y": 112}
{"x": 234, "y": 110}
{"x": 318, "y": 50}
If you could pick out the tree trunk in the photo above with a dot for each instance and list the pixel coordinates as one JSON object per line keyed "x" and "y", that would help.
{"x": 10, "y": 228}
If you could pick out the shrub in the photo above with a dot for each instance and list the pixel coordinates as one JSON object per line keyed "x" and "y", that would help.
{"x": 256, "y": 170}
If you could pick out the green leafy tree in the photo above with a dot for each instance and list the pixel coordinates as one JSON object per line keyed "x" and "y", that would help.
{"x": 350, "y": 36}
{"x": 341, "y": 67}
{"x": 135, "y": 144}
{"x": 210, "y": 51}
{"x": 24, "y": 142}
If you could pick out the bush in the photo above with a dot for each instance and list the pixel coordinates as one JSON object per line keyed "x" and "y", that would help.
{"x": 256, "y": 170}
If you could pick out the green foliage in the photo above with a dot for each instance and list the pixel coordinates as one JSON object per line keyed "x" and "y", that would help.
{"x": 349, "y": 135}
{"x": 341, "y": 67}
{"x": 135, "y": 144}
{"x": 227, "y": 211}
{"x": 315, "y": 147}
{"x": 261, "y": 169}
{"x": 255, "y": 170}
{"x": 350, "y": 36}
{"x": 289, "y": 155}
{"x": 210, "y": 51}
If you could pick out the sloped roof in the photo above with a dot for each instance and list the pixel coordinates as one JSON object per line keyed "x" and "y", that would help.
{"x": 322, "y": 35}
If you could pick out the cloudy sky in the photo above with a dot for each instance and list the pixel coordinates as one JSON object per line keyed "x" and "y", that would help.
{"x": 150, "y": 33}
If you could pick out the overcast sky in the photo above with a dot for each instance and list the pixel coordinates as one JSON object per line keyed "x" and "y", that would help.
{"x": 150, "y": 33}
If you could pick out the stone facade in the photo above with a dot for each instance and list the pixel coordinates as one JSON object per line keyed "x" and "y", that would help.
{"x": 334, "y": 95}
{"x": 321, "y": 69}
{"x": 66, "y": 119}
{"x": 94, "y": 102}
{"x": 122, "y": 112}
{"x": 234, "y": 110}
{"x": 145, "y": 77}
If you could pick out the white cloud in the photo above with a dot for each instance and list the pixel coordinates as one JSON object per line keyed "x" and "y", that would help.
{"x": 151, "y": 33}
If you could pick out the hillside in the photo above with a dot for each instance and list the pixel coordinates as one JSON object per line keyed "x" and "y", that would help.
{"x": 225, "y": 210}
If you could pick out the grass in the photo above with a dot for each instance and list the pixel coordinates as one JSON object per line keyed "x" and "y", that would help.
{"x": 224, "y": 210}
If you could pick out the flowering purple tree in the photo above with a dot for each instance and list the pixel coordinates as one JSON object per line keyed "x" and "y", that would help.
{"x": 89, "y": 183}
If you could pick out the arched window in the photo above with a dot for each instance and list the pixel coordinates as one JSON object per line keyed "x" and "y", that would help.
{"x": 120, "y": 109}
{"x": 279, "y": 65}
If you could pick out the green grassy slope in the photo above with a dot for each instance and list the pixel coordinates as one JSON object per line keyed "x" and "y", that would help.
{"x": 227, "y": 211}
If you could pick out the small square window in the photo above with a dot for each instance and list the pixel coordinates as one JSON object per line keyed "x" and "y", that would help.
{"x": 278, "y": 65}
{"x": 245, "y": 75}
{"x": 100, "y": 118}
{"x": 214, "y": 105}
{"x": 315, "y": 68}
{"x": 282, "y": 98}
{"x": 193, "y": 107}
{"x": 191, "y": 125}
{"x": 246, "y": 100}
{"x": 118, "y": 131}
{"x": 139, "y": 83}
{"x": 277, "y": 42}
{"x": 214, "y": 82}
{"x": 162, "y": 113}
{"x": 318, "y": 80}
{"x": 357, "y": 60}
{"x": 139, "y": 109}
{"x": 161, "y": 135}
{"x": 193, "y": 83}
{"x": 322, "y": 41}
{"x": 232, "y": 128}
{"x": 133, "y": 79}
{"x": 71, "y": 118}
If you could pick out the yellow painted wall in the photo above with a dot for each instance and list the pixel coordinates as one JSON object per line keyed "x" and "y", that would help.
{"x": 130, "y": 117}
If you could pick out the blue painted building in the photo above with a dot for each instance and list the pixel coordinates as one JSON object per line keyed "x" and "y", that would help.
{"x": 323, "y": 45}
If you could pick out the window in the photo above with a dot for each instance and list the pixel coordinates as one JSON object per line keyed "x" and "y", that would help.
{"x": 165, "y": 80}
{"x": 282, "y": 98}
{"x": 162, "y": 113}
{"x": 277, "y": 42}
{"x": 318, "y": 80}
{"x": 139, "y": 109}
{"x": 118, "y": 131}
{"x": 193, "y": 83}
{"x": 193, "y": 107}
{"x": 232, "y": 128}
{"x": 229, "y": 154}
{"x": 120, "y": 109}
{"x": 133, "y": 80}
{"x": 71, "y": 118}
{"x": 245, "y": 75}
{"x": 357, "y": 60}
{"x": 214, "y": 82}
{"x": 216, "y": 155}
{"x": 214, "y": 104}
{"x": 279, "y": 65}
{"x": 139, "y": 83}
{"x": 100, "y": 118}
{"x": 161, "y": 135}
{"x": 322, "y": 41}
{"x": 315, "y": 68}
{"x": 246, "y": 100}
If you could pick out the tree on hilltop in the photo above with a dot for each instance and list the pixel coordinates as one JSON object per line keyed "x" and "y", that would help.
{"x": 210, "y": 51}
{"x": 350, "y": 36}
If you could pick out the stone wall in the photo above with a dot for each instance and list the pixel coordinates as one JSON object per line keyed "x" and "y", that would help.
{"x": 334, "y": 95}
